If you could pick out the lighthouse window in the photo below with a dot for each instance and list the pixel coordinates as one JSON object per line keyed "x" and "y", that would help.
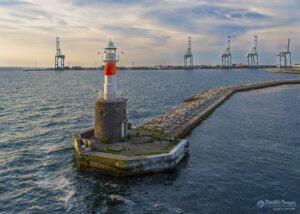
{"x": 124, "y": 111}
{"x": 101, "y": 114}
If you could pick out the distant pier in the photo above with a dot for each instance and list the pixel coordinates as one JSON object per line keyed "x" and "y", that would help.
{"x": 287, "y": 71}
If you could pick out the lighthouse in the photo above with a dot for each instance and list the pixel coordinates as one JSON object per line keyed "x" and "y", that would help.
{"x": 110, "y": 110}
{"x": 110, "y": 82}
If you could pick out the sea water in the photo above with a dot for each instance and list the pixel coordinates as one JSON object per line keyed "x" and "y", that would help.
{"x": 246, "y": 152}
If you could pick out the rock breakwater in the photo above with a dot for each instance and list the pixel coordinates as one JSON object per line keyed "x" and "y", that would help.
{"x": 182, "y": 120}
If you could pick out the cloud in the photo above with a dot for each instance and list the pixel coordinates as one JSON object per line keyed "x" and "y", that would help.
{"x": 111, "y": 2}
{"x": 148, "y": 29}
{"x": 3, "y": 20}
{"x": 133, "y": 33}
{"x": 7, "y": 27}
{"x": 13, "y": 3}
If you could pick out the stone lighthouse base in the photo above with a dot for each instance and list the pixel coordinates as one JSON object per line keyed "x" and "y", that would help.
{"x": 110, "y": 119}
{"x": 141, "y": 152}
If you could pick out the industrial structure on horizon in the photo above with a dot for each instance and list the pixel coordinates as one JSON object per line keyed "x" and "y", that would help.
{"x": 226, "y": 56}
{"x": 285, "y": 58}
{"x": 188, "y": 57}
{"x": 252, "y": 56}
{"x": 59, "y": 57}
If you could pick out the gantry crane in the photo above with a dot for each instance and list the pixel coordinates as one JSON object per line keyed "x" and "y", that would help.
{"x": 188, "y": 57}
{"x": 226, "y": 56}
{"x": 252, "y": 56}
{"x": 59, "y": 57}
{"x": 285, "y": 58}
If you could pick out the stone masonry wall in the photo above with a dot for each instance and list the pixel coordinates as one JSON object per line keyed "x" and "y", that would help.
{"x": 109, "y": 116}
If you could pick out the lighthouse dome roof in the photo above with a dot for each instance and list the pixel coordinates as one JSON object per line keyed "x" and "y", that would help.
{"x": 110, "y": 45}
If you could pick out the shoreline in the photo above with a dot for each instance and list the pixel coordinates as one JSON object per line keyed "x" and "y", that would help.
{"x": 180, "y": 121}
{"x": 167, "y": 67}
{"x": 286, "y": 71}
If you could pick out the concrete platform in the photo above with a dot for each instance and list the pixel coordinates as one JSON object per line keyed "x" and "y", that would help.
{"x": 155, "y": 146}
{"x": 143, "y": 153}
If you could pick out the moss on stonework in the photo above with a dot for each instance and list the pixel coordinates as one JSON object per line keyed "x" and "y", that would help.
{"x": 115, "y": 148}
{"x": 136, "y": 143}
{"x": 106, "y": 140}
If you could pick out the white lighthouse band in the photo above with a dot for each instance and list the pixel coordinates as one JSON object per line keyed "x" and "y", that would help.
{"x": 110, "y": 87}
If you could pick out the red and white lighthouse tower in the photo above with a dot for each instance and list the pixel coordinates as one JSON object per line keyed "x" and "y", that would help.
{"x": 110, "y": 82}
{"x": 110, "y": 110}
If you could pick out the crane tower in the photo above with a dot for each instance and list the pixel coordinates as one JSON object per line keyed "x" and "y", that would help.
{"x": 188, "y": 57}
{"x": 226, "y": 56}
{"x": 285, "y": 58}
{"x": 252, "y": 56}
{"x": 59, "y": 57}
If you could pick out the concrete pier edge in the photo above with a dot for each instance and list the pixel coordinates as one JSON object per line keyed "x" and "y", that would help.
{"x": 121, "y": 165}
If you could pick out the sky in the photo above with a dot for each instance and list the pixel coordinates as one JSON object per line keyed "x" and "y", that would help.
{"x": 148, "y": 32}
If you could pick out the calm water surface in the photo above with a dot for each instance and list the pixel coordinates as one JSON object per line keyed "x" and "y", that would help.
{"x": 247, "y": 150}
